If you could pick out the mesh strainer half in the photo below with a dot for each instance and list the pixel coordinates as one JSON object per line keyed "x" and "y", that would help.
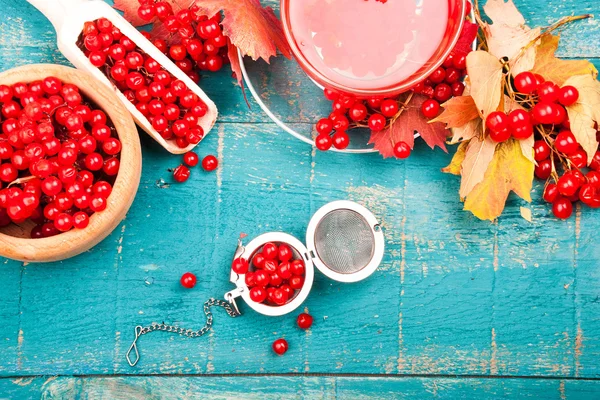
{"x": 345, "y": 241}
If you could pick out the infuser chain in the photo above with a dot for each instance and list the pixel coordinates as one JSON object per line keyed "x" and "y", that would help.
{"x": 140, "y": 330}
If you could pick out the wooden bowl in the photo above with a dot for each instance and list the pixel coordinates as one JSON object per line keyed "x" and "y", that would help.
{"x": 15, "y": 242}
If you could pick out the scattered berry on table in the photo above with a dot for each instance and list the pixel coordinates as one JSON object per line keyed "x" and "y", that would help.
{"x": 188, "y": 280}
{"x": 304, "y": 321}
{"x": 280, "y": 346}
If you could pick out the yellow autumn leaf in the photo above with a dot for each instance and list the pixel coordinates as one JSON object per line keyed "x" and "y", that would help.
{"x": 479, "y": 155}
{"x": 557, "y": 70}
{"x": 485, "y": 75}
{"x": 507, "y": 35}
{"x": 585, "y": 114}
{"x": 457, "y": 159}
{"x": 458, "y": 111}
{"x": 508, "y": 171}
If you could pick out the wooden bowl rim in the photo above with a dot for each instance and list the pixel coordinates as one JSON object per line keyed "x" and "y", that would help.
{"x": 74, "y": 242}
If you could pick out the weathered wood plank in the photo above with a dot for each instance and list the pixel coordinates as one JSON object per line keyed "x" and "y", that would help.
{"x": 454, "y": 295}
{"x": 295, "y": 387}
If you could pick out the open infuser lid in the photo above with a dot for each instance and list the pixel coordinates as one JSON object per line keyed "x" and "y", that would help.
{"x": 345, "y": 241}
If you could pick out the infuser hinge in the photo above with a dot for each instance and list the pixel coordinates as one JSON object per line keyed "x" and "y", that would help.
{"x": 232, "y": 295}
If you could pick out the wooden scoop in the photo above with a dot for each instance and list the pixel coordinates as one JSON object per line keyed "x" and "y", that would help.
{"x": 68, "y": 18}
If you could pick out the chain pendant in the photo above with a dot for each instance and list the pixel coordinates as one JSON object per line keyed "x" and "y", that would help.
{"x": 140, "y": 330}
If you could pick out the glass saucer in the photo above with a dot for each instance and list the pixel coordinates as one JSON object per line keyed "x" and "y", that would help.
{"x": 294, "y": 101}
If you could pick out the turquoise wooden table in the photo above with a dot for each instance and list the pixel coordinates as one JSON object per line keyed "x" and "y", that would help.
{"x": 460, "y": 308}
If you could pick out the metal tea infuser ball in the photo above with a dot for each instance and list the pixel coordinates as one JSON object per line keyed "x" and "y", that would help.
{"x": 344, "y": 241}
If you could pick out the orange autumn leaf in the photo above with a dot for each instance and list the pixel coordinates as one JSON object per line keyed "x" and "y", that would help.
{"x": 557, "y": 70}
{"x": 252, "y": 28}
{"x": 508, "y": 171}
{"x": 458, "y": 111}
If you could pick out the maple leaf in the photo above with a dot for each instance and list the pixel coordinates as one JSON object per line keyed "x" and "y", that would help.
{"x": 485, "y": 77}
{"x": 454, "y": 166}
{"x": 466, "y": 38}
{"x": 467, "y": 132}
{"x": 508, "y": 171}
{"x": 478, "y": 156}
{"x": 458, "y": 111}
{"x": 404, "y": 128}
{"x": 557, "y": 70}
{"x": 585, "y": 114}
{"x": 234, "y": 59}
{"x": 508, "y": 35}
{"x": 252, "y": 28}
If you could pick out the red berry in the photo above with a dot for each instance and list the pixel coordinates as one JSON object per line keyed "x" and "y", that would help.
{"x": 568, "y": 184}
{"x": 525, "y": 83}
{"x": 304, "y": 321}
{"x": 188, "y": 280}
{"x": 191, "y": 159}
{"x": 278, "y": 297}
{"x": 562, "y": 208}
{"x": 259, "y": 260}
{"x": 579, "y": 158}
{"x": 258, "y": 294}
{"x": 543, "y": 113}
{"x": 239, "y": 266}
{"x": 97, "y": 203}
{"x": 285, "y": 253}
{"x": 568, "y": 95}
{"x": 323, "y": 142}
{"x": 297, "y": 267}
{"x": 358, "y": 112}
{"x": 181, "y": 173}
{"x": 284, "y": 270}
{"x": 438, "y": 75}
{"x": 543, "y": 169}
{"x": 548, "y": 92}
{"x": 520, "y": 124}
{"x": 442, "y": 92}
{"x": 280, "y": 346}
{"x": 497, "y": 121}
{"x": 80, "y": 220}
{"x": 262, "y": 278}
{"x": 402, "y": 150}
{"x": 324, "y": 126}
{"x": 210, "y": 163}
{"x": 341, "y": 140}
{"x": 389, "y": 108}
{"x": 541, "y": 150}
{"x": 296, "y": 282}
{"x": 63, "y": 222}
{"x": 376, "y": 122}
{"x": 551, "y": 192}
{"x": 270, "y": 251}
{"x": 430, "y": 108}
{"x": 566, "y": 143}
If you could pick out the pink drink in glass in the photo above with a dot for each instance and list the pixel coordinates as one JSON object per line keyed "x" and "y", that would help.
{"x": 369, "y": 47}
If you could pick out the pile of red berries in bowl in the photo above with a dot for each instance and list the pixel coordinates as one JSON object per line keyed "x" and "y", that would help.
{"x": 275, "y": 274}
{"x": 60, "y": 160}
{"x": 173, "y": 110}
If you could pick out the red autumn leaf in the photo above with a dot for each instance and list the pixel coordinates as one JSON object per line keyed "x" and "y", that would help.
{"x": 466, "y": 39}
{"x": 232, "y": 53}
{"x": 252, "y": 28}
{"x": 404, "y": 128}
